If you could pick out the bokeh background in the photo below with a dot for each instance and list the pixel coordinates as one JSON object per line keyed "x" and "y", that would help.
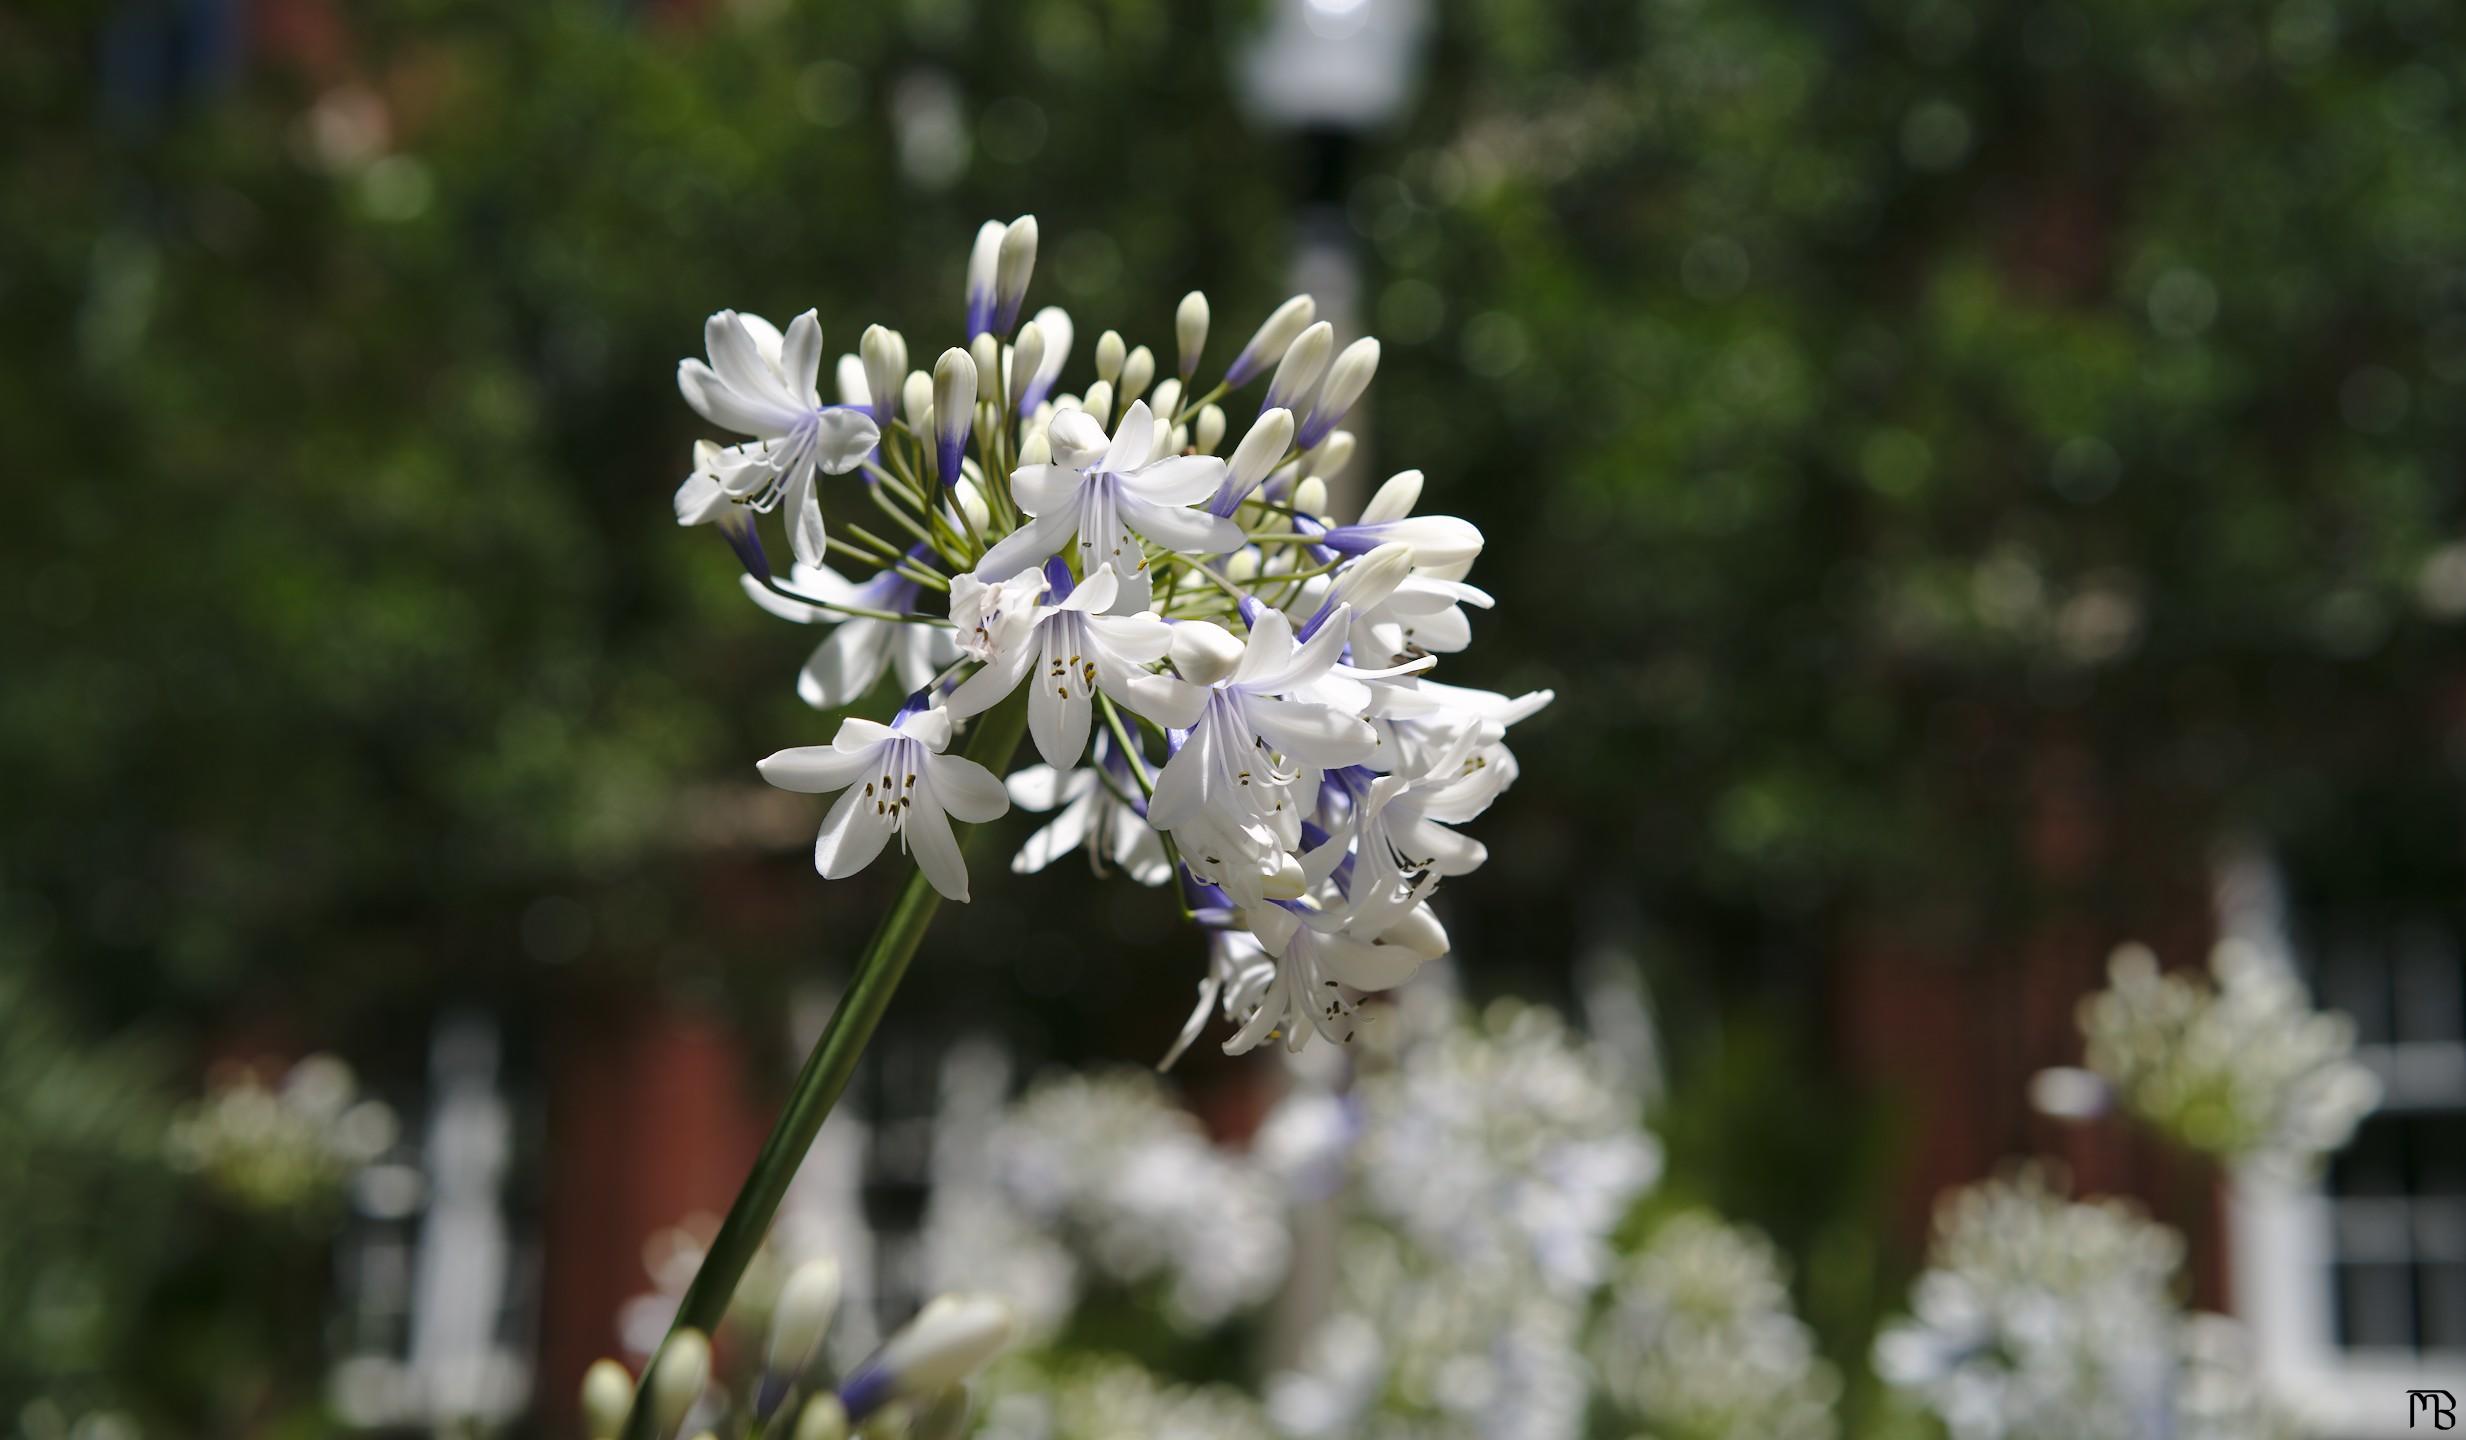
{"x": 1983, "y": 479}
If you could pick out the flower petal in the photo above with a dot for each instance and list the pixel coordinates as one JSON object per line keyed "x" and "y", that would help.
{"x": 1177, "y": 480}
{"x": 1043, "y": 488}
{"x": 1058, "y": 720}
{"x": 800, "y": 359}
{"x": 966, "y": 789}
{"x": 843, "y": 668}
{"x": 815, "y": 769}
{"x": 1028, "y": 545}
{"x": 1193, "y": 532}
{"x": 852, "y": 834}
{"x": 1319, "y": 735}
{"x": 1133, "y": 440}
{"x": 739, "y": 362}
{"x": 727, "y": 408}
{"x": 936, "y": 849}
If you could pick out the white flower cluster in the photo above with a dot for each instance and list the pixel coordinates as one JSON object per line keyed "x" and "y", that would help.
{"x": 285, "y": 1147}
{"x": 1699, "y": 1339}
{"x": 1111, "y": 1399}
{"x": 1106, "y": 1174}
{"x": 1253, "y": 671}
{"x": 2245, "y": 1070}
{"x": 2043, "y": 1318}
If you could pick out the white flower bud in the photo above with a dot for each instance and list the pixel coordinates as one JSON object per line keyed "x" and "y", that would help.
{"x": 968, "y": 498}
{"x": 946, "y": 1342}
{"x": 1346, "y": 380}
{"x": 854, "y": 388}
{"x": 886, "y": 359}
{"x": 1109, "y": 352}
{"x": 1027, "y": 355}
{"x": 1204, "y": 652}
{"x": 1099, "y": 402}
{"x": 1037, "y": 448}
{"x": 954, "y": 409}
{"x": 1189, "y": 333}
{"x": 1334, "y": 453}
{"x": 1211, "y": 428}
{"x": 1015, "y": 264}
{"x": 1274, "y": 337}
{"x": 607, "y": 1393}
{"x": 1373, "y": 577}
{"x": 678, "y": 1374}
{"x": 986, "y": 351}
{"x": 1055, "y": 322}
{"x": 1167, "y": 401}
{"x": 917, "y": 400}
{"x": 1138, "y": 370}
{"x": 1394, "y": 500}
{"x": 1310, "y": 496}
{"x": 1242, "y": 565}
{"x": 823, "y": 1418}
{"x": 983, "y": 261}
{"x": 807, "y": 1302}
{"x": 1255, "y": 458}
{"x": 1305, "y": 360}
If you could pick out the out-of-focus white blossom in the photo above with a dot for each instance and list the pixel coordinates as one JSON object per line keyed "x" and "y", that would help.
{"x": 286, "y": 1147}
{"x": 2044, "y": 1318}
{"x": 2243, "y": 1068}
{"x": 1698, "y": 1339}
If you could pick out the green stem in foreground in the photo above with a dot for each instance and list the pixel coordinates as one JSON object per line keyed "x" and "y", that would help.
{"x": 818, "y": 1085}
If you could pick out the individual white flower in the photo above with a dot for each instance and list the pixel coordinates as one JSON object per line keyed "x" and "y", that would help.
{"x": 1070, "y": 650}
{"x": 1398, "y": 837}
{"x": 1321, "y": 966}
{"x": 1090, "y": 811}
{"x": 1255, "y": 754}
{"x": 761, "y": 383}
{"x": 844, "y": 668}
{"x": 896, "y": 779}
{"x": 1106, "y": 494}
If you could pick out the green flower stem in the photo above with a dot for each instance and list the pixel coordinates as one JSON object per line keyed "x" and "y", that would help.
{"x": 825, "y": 1075}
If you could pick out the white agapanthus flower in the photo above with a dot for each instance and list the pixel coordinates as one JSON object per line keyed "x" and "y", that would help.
{"x": 2044, "y": 1318}
{"x": 2244, "y": 1069}
{"x": 894, "y": 780}
{"x": 762, "y": 383}
{"x": 1228, "y": 686}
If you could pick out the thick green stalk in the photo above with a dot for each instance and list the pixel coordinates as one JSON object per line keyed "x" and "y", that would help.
{"x": 825, "y": 1075}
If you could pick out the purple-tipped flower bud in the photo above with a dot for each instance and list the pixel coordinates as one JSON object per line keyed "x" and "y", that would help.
{"x": 943, "y": 1345}
{"x": 1274, "y": 337}
{"x": 1013, "y": 264}
{"x": 1254, "y": 459}
{"x": 1027, "y": 354}
{"x": 885, "y": 353}
{"x": 1305, "y": 360}
{"x": 954, "y": 410}
{"x": 983, "y": 261}
{"x": 1346, "y": 379}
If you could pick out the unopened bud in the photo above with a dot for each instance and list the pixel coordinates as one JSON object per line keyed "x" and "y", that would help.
{"x": 916, "y": 398}
{"x": 886, "y": 360}
{"x": 983, "y": 260}
{"x": 1210, "y": 432}
{"x": 1098, "y": 401}
{"x": 1333, "y": 454}
{"x": 1346, "y": 380}
{"x": 1189, "y": 334}
{"x": 1138, "y": 371}
{"x": 1109, "y": 353}
{"x": 678, "y": 1373}
{"x": 1055, "y": 322}
{"x": 1305, "y": 360}
{"x": 1016, "y": 262}
{"x": 854, "y": 389}
{"x": 1204, "y": 652}
{"x": 1394, "y": 500}
{"x": 1027, "y": 354}
{"x": 810, "y": 1297}
{"x": 1037, "y": 448}
{"x": 607, "y": 1393}
{"x": 1310, "y": 496}
{"x": 823, "y": 1418}
{"x": 942, "y": 1346}
{"x": 954, "y": 408}
{"x": 1167, "y": 401}
{"x": 986, "y": 351}
{"x": 1274, "y": 337}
